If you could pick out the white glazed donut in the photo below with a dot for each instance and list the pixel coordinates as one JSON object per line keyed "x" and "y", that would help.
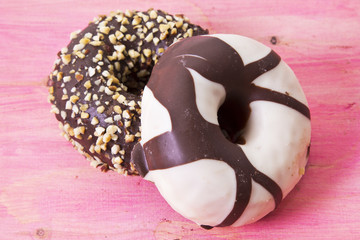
{"x": 225, "y": 130}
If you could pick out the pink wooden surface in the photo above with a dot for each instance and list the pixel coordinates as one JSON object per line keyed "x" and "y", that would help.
{"x": 49, "y": 191}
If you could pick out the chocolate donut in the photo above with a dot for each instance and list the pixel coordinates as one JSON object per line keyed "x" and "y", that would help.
{"x": 225, "y": 130}
{"x": 97, "y": 81}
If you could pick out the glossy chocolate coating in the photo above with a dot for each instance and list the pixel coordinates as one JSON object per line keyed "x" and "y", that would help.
{"x": 102, "y": 73}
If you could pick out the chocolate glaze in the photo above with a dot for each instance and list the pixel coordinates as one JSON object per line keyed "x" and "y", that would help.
{"x": 192, "y": 137}
{"x": 127, "y": 76}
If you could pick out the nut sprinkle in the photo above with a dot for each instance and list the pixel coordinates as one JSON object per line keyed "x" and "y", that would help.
{"x": 97, "y": 81}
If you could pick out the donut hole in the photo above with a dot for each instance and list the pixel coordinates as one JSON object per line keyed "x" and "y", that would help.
{"x": 135, "y": 85}
{"x": 233, "y": 117}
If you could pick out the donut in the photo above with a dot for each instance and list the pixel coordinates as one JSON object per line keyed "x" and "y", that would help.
{"x": 97, "y": 81}
{"x": 225, "y": 130}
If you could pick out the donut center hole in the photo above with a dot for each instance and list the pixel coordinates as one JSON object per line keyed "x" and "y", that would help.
{"x": 233, "y": 117}
{"x": 136, "y": 84}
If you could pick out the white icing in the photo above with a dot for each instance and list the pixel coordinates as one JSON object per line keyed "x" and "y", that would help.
{"x": 155, "y": 118}
{"x": 209, "y": 96}
{"x": 276, "y": 137}
{"x": 282, "y": 79}
{"x": 248, "y": 49}
{"x": 202, "y": 191}
{"x": 261, "y": 203}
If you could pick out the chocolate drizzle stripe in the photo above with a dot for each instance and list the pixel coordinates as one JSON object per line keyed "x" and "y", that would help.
{"x": 193, "y": 138}
{"x": 265, "y": 94}
{"x": 257, "y": 68}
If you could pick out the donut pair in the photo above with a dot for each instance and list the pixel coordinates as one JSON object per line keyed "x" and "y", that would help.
{"x": 222, "y": 126}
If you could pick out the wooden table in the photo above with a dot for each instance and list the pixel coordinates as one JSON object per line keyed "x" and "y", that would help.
{"x": 49, "y": 191}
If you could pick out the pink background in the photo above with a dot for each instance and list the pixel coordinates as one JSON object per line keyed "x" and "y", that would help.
{"x": 49, "y": 191}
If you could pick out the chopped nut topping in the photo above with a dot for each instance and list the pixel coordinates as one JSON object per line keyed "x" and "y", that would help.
{"x": 80, "y": 55}
{"x": 163, "y": 35}
{"x": 115, "y": 96}
{"x": 129, "y": 138}
{"x": 173, "y": 31}
{"x": 163, "y": 27}
{"x": 112, "y": 38}
{"x": 91, "y": 71}
{"x": 87, "y": 97}
{"x": 150, "y": 25}
{"x": 66, "y": 58}
{"x": 108, "y": 91}
{"x": 66, "y": 79}
{"x": 96, "y": 43}
{"x": 137, "y": 20}
{"x": 94, "y": 121}
{"x": 99, "y": 131}
{"x": 115, "y": 149}
{"x": 59, "y": 76}
{"x": 105, "y": 30}
{"x": 74, "y": 34}
{"x": 84, "y": 115}
{"x": 74, "y": 98}
{"x": 84, "y": 41}
{"x": 106, "y": 73}
{"x": 78, "y": 47}
{"x": 117, "y": 109}
{"x": 156, "y": 41}
{"x": 97, "y": 149}
{"x": 87, "y": 84}
{"x": 106, "y": 138}
{"x": 119, "y": 48}
{"x": 88, "y": 35}
{"x": 119, "y": 35}
{"x": 149, "y": 37}
{"x": 68, "y": 105}
{"x": 109, "y": 120}
{"x": 126, "y": 114}
{"x": 147, "y": 52}
{"x": 75, "y": 109}
{"x": 121, "y": 99}
{"x": 133, "y": 53}
{"x": 117, "y": 118}
{"x": 64, "y": 50}
{"x": 190, "y": 31}
{"x": 79, "y": 76}
{"x": 179, "y": 24}
{"x": 128, "y": 13}
{"x": 145, "y": 17}
{"x": 54, "y": 109}
{"x": 111, "y": 129}
{"x": 78, "y": 131}
{"x": 64, "y": 97}
{"x": 133, "y": 37}
{"x": 100, "y": 109}
{"x": 63, "y": 114}
{"x": 95, "y": 97}
{"x": 125, "y": 21}
{"x": 160, "y": 19}
{"x": 84, "y": 107}
{"x": 153, "y": 14}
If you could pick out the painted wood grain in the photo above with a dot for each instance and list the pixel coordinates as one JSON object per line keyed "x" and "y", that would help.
{"x": 49, "y": 191}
